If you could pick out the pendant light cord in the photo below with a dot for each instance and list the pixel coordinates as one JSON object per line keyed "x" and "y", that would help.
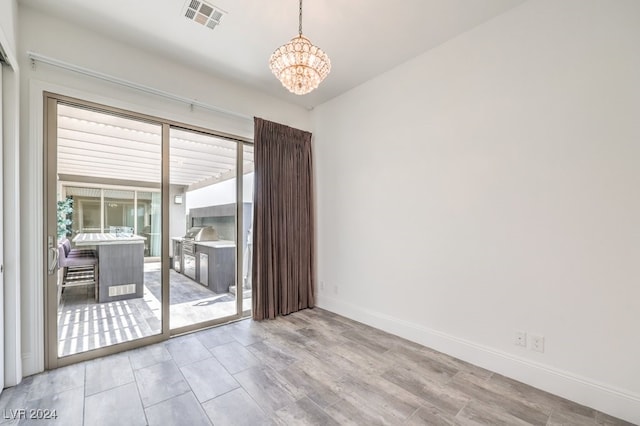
{"x": 300, "y": 20}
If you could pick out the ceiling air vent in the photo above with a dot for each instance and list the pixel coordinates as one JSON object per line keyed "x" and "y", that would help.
{"x": 203, "y": 13}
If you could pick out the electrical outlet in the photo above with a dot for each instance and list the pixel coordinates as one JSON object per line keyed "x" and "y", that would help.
{"x": 521, "y": 338}
{"x": 322, "y": 285}
{"x": 335, "y": 289}
{"x": 537, "y": 343}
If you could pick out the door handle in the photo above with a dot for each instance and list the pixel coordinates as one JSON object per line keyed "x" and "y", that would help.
{"x": 53, "y": 263}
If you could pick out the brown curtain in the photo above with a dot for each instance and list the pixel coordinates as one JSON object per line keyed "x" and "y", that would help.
{"x": 283, "y": 269}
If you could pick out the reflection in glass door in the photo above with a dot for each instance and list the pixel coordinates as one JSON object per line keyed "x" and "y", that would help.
{"x": 204, "y": 226}
{"x": 104, "y": 175}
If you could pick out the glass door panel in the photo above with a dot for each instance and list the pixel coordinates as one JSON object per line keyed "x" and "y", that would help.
{"x": 107, "y": 177}
{"x": 85, "y": 209}
{"x": 119, "y": 211}
{"x": 202, "y": 229}
{"x": 149, "y": 223}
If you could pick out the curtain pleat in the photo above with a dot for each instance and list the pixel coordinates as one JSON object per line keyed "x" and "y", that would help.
{"x": 283, "y": 274}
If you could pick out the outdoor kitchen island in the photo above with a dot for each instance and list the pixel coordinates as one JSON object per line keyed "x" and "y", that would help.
{"x": 216, "y": 264}
{"x": 120, "y": 264}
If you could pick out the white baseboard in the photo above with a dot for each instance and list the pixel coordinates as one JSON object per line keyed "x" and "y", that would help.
{"x": 585, "y": 391}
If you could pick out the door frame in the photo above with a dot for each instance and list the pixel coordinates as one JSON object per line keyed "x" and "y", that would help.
{"x": 52, "y": 360}
{"x": 51, "y": 101}
{"x": 12, "y": 365}
{"x": 1, "y": 229}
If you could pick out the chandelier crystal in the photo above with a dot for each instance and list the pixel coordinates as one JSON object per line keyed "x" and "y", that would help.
{"x": 299, "y": 65}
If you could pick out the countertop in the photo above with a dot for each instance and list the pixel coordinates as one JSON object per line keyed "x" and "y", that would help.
{"x": 97, "y": 239}
{"x": 216, "y": 244}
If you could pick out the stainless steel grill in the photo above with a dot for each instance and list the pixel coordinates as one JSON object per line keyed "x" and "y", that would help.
{"x": 187, "y": 248}
{"x": 202, "y": 233}
{"x": 195, "y": 234}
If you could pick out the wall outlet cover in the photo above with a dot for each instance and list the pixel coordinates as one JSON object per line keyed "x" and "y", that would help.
{"x": 537, "y": 343}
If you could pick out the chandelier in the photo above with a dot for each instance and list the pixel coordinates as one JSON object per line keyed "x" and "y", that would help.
{"x": 299, "y": 65}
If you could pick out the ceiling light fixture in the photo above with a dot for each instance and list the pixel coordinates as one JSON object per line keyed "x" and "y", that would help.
{"x": 299, "y": 65}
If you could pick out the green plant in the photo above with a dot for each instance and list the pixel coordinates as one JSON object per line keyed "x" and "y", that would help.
{"x": 65, "y": 209}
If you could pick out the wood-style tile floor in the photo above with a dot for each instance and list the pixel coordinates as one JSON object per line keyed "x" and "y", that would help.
{"x": 311, "y": 367}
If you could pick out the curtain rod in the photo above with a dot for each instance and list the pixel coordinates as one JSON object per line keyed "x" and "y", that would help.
{"x": 126, "y": 83}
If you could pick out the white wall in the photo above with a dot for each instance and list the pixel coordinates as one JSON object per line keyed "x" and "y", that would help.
{"x": 8, "y": 18}
{"x": 220, "y": 193}
{"x": 492, "y": 185}
{"x": 58, "y": 39}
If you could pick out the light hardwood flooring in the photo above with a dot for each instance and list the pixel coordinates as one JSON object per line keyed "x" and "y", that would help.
{"x": 311, "y": 367}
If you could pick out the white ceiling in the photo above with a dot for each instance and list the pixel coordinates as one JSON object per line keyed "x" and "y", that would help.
{"x": 363, "y": 38}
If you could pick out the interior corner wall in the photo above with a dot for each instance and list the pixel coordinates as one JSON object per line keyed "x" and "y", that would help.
{"x": 58, "y": 39}
{"x": 492, "y": 185}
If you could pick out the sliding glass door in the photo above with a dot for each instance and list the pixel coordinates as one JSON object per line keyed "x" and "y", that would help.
{"x": 145, "y": 235}
{"x": 102, "y": 165}
{"x": 203, "y": 171}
